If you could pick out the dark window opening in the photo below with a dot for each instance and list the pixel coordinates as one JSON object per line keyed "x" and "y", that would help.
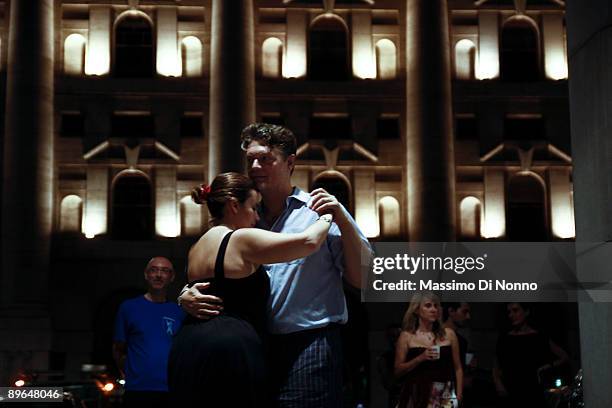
{"x": 466, "y": 128}
{"x": 132, "y": 208}
{"x": 134, "y": 48}
{"x": 330, "y": 129}
{"x": 525, "y": 218}
{"x": 351, "y": 155}
{"x": 328, "y": 51}
{"x": 133, "y": 126}
{"x": 72, "y": 125}
{"x": 273, "y": 119}
{"x": 385, "y": 17}
{"x": 191, "y": 127}
{"x": 524, "y": 129}
{"x": 519, "y": 53}
{"x": 388, "y": 128}
{"x": 312, "y": 154}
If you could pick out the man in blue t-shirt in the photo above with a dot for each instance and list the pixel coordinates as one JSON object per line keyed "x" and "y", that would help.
{"x": 144, "y": 329}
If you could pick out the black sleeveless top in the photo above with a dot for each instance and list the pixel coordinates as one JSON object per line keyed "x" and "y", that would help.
{"x": 417, "y": 384}
{"x": 243, "y": 298}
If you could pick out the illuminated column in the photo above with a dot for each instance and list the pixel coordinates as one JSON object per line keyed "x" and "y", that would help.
{"x": 27, "y": 190}
{"x": 430, "y": 161}
{"x": 494, "y": 204}
{"x": 166, "y": 206}
{"x": 95, "y": 219}
{"x": 365, "y": 202}
{"x": 590, "y": 80}
{"x": 488, "y": 45}
{"x": 27, "y": 205}
{"x": 99, "y": 43}
{"x": 561, "y": 208}
{"x": 555, "y": 61}
{"x": 168, "y": 62}
{"x": 294, "y": 64}
{"x": 232, "y": 83}
{"x": 364, "y": 65}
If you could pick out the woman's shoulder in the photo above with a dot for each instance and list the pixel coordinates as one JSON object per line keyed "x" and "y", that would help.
{"x": 208, "y": 243}
{"x": 449, "y": 333}
{"x": 405, "y": 336}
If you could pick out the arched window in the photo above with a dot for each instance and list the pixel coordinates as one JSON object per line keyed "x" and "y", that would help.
{"x": 134, "y": 47}
{"x": 272, "y": 58}
{"x": 191, "y": 53}
{"x": 389, "y": 217}
{"x": 525, "y": 216}
{"x": 132, "y": 209}
{"x": 470, "y": 211}
{"x": 519, "y": 56}
{"x": 336, "y": 184}
{"x": 74, "y": 54}
{"x": 191, "y": 217}
{"x": 328, "y": 58}
{"x": 71, "y": 213}
{"x": 465, "y": 60}
{"x": 386, "y": 59}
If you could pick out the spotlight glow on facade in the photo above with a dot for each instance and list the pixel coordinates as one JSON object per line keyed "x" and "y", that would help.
{"x": 294, "y": 65}
{"x": 99, "y": 42}
{"x": 93, "y": 223}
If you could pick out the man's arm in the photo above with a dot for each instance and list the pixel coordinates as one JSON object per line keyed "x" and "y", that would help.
{"x": 119, "y": 355}
{"x": 353, "y": 247}
{"x": 354, "y": 244}
{"x": 199, "y": 305}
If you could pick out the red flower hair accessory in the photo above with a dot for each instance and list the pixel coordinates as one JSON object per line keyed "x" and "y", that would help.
{"x": 204, "y": 192}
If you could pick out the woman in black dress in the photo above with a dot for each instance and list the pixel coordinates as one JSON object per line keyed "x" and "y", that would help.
{"x": 523, "y": 357}
{"x": 427, "y": 359}
{"x": 220, "y": 362}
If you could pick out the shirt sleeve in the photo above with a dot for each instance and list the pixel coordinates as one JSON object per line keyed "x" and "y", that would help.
{"x": 120, "y": 323}
{"x": 334, "y": 242}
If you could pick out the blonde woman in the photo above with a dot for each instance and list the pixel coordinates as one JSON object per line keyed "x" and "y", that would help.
{"x": 427, "y": 359}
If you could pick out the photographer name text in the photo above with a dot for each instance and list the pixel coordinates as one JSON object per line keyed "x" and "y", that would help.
{"x": 483, "y": 285}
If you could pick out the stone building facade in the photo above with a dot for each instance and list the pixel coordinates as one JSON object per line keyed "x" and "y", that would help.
{"x": 431, "y": 120}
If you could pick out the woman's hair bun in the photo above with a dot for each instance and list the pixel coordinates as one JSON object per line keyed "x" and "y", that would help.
{"x": 200, "y": 194}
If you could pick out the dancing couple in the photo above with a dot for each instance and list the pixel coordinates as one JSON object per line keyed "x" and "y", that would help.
{"x": 265, "y": 298}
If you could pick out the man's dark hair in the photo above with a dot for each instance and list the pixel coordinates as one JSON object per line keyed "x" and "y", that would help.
{"x": 269, "y": 135}
{"x": 449, "y": 305}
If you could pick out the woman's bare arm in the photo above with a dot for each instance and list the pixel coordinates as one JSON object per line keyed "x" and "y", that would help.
{"x": 559, "y": 353}
{"x": 498, "y": 380}
{"x": 402, "y": 366}
{"x": 259, "y": 246}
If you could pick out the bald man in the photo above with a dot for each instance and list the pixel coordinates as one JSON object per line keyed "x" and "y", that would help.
{"x": 144, "y": 329}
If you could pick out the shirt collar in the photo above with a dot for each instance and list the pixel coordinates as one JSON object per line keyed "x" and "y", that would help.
{"x": 296, "y": 194}
{"x": 299, "y": 195}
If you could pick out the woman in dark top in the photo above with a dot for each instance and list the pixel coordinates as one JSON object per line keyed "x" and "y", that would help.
{"x": 523, "y": 356}
{"x": 427, "y": 357}
{"x": 221, "y": 362}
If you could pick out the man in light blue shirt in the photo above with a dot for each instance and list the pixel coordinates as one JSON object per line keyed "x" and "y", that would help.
{"x": 306, "y": 293}
{"x": 307, "y": 304}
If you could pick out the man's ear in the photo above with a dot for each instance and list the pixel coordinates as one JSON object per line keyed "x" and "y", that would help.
{"x": 291, "y": 162}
